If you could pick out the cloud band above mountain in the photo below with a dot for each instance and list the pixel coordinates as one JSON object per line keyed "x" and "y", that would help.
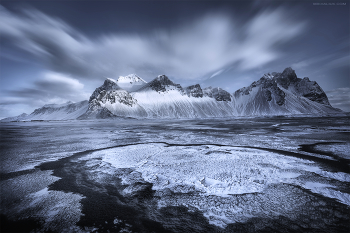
{"x": 204, "y": 45}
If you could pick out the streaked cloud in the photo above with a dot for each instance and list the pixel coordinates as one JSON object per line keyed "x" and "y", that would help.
{"x": 49, "y": 88}
{"x": 203, "y": 46}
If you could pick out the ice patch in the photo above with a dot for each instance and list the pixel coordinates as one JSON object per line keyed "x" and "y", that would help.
{"x": 209, "y": 169}
{"x": 328, "y": 191}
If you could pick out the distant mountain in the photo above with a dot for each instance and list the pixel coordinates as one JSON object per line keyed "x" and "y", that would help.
{"x": 130, "y": 96}
{"x": 16, "y": 118}
{"x": 280, "y": 94}
{"x": 67, "y": 111}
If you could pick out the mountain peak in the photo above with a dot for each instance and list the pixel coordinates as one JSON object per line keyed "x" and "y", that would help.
{"x": 287, "y": 77}
{"x": 110, "y": 80}
{"x": 163, "y": 79}
{"x": 130, "y": 78}
{"x": 289, "y": 73}
{"x": 110, "y": 84}
{"x": 194, "y": 91}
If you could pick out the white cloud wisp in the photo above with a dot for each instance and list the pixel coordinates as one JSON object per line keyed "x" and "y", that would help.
{"x": 189, "y": 51}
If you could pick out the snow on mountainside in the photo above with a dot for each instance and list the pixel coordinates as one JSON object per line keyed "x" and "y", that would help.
{"x": 280, "y": 94}
{"x": 160, "y": 98}
{"x": 67, "y": 111}
{"x": 130, "y": 96}
{"x": 131, "y": 82}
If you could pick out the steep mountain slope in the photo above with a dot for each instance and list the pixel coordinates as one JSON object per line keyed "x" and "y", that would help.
{"x": 280, "y": 94}
{"x": 110, "y": 100}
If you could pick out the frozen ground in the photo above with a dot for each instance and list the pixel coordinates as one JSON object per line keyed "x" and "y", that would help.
{"x": 268, "y": 174}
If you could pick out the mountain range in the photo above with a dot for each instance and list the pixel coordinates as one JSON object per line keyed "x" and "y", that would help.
{"x": 131, "y": 96}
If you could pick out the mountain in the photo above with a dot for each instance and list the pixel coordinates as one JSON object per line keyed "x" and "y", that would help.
{"x": 160, "y": 98}
{"x": 131, "y": 82}
{"x": 110, "y": 100}
{"x": 130, "y": 96}
{"x": 66, "y": 111}
{"x": 15, "y": 118}
{"x": 281, "y": 94}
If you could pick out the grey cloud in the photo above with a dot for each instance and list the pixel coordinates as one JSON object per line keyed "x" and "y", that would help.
{"x": 50, "y": 88}
{"x": 339, "y": 62}
{"x": 187, "y": 52}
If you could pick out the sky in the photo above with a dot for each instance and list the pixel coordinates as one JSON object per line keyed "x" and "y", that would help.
{"x": 59, "y": 51}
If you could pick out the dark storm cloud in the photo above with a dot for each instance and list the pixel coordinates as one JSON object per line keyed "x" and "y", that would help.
{"x": 190, "y": 51}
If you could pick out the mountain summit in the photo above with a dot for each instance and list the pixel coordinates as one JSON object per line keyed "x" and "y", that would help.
{"x": 131, "y": 82}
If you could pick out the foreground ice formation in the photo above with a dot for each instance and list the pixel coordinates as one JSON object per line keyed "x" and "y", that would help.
{"x": 248, "y": 174}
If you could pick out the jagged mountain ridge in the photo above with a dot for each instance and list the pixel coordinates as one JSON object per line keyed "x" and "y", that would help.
{"x": 273, "y": 94}
{"x": 160, "y": 98}
{"x": 282, "y": 93}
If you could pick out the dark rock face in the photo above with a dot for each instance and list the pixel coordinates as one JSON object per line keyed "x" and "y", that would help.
{"x": 112, "y": 97}
{"x": 217, "y": 93}
{"x": 107, "y": 86}
{"x": 108, "y": 93}
{"x": 112, "y": 93}
{"x": 194, "y": 91}
{"x": 312, "y": 91}
{"x": 304, "y": 87}
{"x": 267, "y": 95}
{"x": 271, "y": 83}
{"x": 269, "y": 87}
{"x": 286, "y": 78}
{"x": 159, "y": 83}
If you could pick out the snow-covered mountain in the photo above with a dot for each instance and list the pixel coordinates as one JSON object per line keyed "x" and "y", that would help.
{"x": 130, "y": 96}
{"x": 160, "y": 98}
{"x": 131, "y": 82}
{"x": 66, "y": 111}
{"x": 280, "y": 94}
{"x": 274, "y": 94}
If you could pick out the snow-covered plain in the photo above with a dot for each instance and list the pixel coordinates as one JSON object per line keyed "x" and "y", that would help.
{"x": 218, "y": 175}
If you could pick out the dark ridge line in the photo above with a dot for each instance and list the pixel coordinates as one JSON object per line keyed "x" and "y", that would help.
{"x": 337, "y": 165}
{"x": 311, "y": 149}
